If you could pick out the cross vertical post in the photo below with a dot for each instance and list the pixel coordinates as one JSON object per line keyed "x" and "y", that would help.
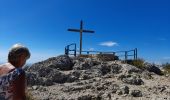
{"x": 81, "y": 30}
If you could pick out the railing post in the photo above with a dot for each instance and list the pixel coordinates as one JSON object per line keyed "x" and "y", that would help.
{"x": 75, "y": 51}
{"x": 66, "y": 51}
{"x": 113, "y": 53}
{"x": 125, "y": 56}
{"x": 136, "y": 53}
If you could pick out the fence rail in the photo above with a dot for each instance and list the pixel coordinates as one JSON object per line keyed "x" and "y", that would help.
{"x": 126, "y": 54}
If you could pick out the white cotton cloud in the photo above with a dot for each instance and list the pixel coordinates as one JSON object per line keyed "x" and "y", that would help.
{"x": 109, "y": 44}
{"x": 91, "y": 49}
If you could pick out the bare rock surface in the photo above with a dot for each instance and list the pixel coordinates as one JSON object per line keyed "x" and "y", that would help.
{"x": 62, "y": 62}
{"x": 92, "y": 79}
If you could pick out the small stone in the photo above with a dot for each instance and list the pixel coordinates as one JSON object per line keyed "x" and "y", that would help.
{"x": 85, "y": 97}
{"x": 119, "y": 92}
{"x": 124, "y": 89}
{"x": 35, "y": 87}
{"x": 133, "y": 81}
{"x": 136, "y": 93}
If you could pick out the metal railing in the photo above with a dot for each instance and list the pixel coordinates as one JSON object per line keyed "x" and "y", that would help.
{"x": 125, "y": 55}
{"x": 68, "y": 50}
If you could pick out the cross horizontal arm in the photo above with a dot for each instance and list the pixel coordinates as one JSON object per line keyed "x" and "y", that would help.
{"x": 74, "y": 30}
{"x": 88, "y": 31}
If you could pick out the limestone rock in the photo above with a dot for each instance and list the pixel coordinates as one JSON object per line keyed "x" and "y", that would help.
{"x": 124, "y": 89}
{"x": 133, "y": 81}
{"x": 62, "y": 62}
{"x": 153, "y": 68}
{"x": 136, "y": 93}
{"x": 61, "y": 78}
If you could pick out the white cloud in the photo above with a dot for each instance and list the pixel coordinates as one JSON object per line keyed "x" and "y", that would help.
{"x": 109, "y": 43}
{"x": 91, "y": 49}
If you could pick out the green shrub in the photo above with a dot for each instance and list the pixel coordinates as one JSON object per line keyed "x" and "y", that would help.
{"x": 166, "y": 68}
{"x": 139, "y": 63}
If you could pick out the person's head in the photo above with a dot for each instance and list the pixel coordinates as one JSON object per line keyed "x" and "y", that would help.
{"x": 18, "y": 55}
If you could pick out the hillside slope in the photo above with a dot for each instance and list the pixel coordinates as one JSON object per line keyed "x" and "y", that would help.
{"x": 63, "y": 78}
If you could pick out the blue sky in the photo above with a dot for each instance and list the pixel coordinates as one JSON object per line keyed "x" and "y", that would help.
{"x": 42, "y": 26}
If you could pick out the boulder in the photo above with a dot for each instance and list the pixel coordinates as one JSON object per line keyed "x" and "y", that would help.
{"x": 153, "y": 68}
{"x": 85, "y": 64}
{"x": 116, "y": 69}
{"x": 124, "y": 89}
{"x": 82, "y": 66}
{"x": 86, "y": 97}
{"x": 62, "y": 62}
{"x": 133, "y": 81}
{"x": 59, "y": 77}
{"x": 136, "y": 93}
{"x": 32, "y": 79}
{"x": 129, "y": 69}
{"x": 105, "y": 69}
{"x": 107, "y": 57}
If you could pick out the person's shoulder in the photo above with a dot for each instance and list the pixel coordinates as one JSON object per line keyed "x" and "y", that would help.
{"x": 3, "y": 65}
{"x": 3, "y": 69}
{"x": 6, "y": 68}
{"x": 6, "y": 65}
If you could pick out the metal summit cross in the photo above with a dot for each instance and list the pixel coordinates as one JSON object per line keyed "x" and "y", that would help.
{"x": 81, "y": 30}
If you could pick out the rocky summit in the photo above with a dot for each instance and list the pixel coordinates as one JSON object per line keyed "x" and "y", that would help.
{"x": 65, "y": 78}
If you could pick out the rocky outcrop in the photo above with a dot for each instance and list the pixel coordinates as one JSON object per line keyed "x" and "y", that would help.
{"x": 62, "y": 62}
{"x": 153, "y": 68}
{"x": 107, "y": 57}
{"x": 92, "y": 79}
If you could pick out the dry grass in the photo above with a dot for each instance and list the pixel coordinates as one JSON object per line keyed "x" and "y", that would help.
{"x": 139, "y": 63}
{"x": 166, "y": 68}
